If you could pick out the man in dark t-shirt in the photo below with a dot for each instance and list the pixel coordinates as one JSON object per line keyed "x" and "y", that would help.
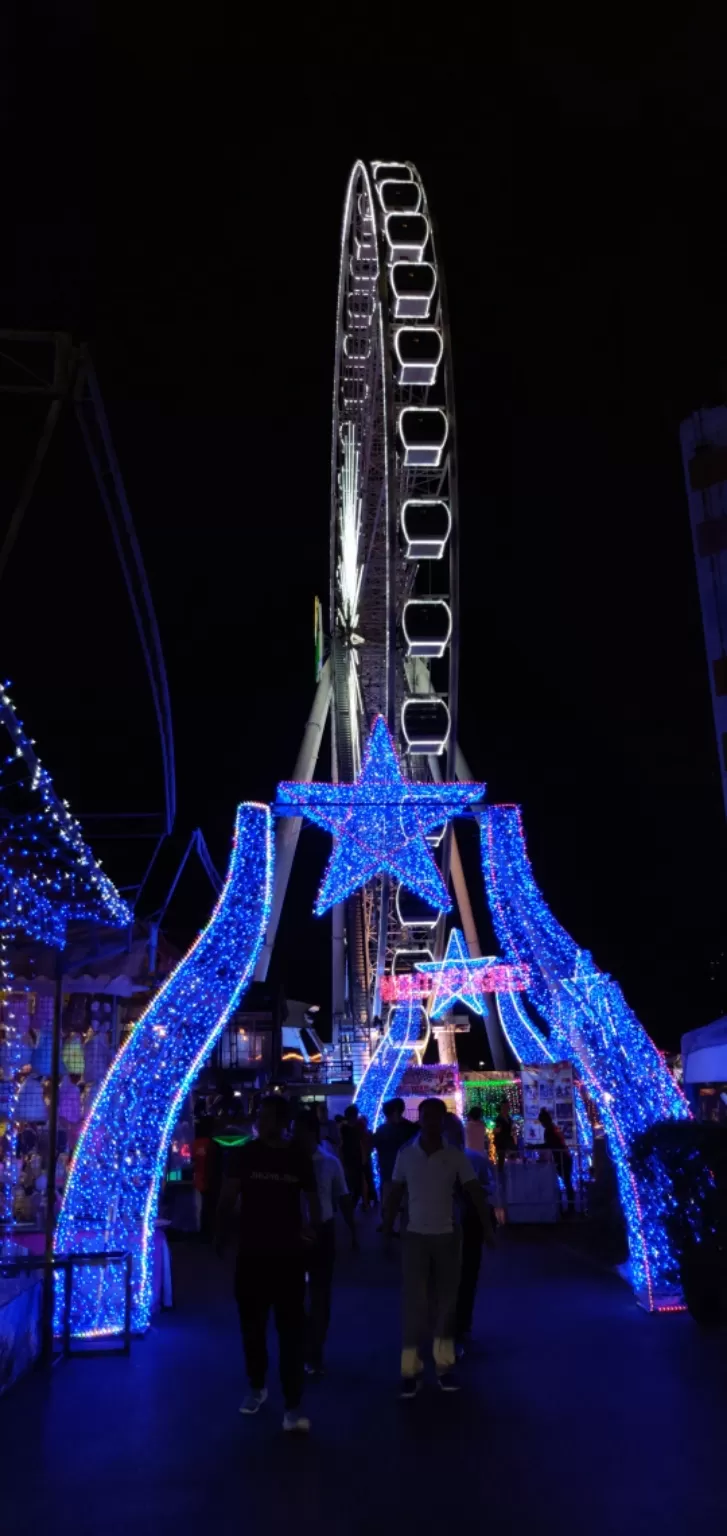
{"x": 352, "y": 1153}
{"x": 504, "y": 1137}
{"x": 275, "y": 1175}
{"x": 389, "y": 1139}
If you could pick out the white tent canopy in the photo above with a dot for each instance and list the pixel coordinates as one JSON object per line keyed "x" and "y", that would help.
{"x": 704, "y": 1053}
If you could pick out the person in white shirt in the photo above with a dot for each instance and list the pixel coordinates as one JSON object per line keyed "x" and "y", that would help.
{"x": 332, "y": 1194}
{"x": 475, "y": 1134}
{"x": 430, "y": 1172}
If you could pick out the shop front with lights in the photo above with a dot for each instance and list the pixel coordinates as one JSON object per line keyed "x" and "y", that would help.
{"x": 94, "y": 1021}
{"x": 97, "y": 1015}
{"x": 530, "y": 1185}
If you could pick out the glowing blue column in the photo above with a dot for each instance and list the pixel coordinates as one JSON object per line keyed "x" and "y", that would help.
{"x": 112, "y": 1193}
{"x": 407, "y": 1025}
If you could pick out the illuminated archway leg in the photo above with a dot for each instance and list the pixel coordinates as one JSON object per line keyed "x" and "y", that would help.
{"x": 591, "y": 1025}
{"x": 112, "y": 1192}
{"x": 387, "y": 1064}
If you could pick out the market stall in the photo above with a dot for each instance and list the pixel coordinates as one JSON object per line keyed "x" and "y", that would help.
{"x": 93, "y": 1019}
{"x": 534, "y": 1172}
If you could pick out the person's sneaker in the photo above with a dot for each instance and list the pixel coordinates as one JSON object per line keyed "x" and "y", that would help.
{"x": 448, "y": 1382}
{"x": 254, "y": 1401}
{"x": 409, "y": 1386}
{"x": 295, "y": 1422}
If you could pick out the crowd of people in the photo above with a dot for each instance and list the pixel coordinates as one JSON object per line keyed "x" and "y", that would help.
{"x": 289, "y": 1181}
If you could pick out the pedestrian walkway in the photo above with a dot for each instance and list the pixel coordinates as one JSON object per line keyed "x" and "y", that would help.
{"x": 578, "y": 1412}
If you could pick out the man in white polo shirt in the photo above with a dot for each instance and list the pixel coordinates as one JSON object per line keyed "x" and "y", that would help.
{"x": 430, "y": 1171}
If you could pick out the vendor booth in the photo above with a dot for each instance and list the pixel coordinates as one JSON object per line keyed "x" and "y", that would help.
{"x": 530, "y": 1183}
{"x": 93, "y": 1022}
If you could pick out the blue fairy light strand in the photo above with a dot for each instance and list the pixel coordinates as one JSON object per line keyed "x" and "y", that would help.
{"x": 48, "y": 874}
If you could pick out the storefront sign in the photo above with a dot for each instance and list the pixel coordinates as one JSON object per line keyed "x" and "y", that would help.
{"x": 496, "y": 978}
{"x": 550, "y": 1087}
{"x": 435, "y": 1082}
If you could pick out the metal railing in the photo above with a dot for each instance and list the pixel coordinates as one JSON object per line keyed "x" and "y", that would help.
{"x": 65, "y": 1263}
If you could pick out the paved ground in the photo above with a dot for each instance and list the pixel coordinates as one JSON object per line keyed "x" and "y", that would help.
{"x": 579, "y": 1413}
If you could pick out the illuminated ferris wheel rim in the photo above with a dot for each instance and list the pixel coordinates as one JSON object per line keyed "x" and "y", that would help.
{"x": 393, "y": 526}
{"x": 393, "y": 470}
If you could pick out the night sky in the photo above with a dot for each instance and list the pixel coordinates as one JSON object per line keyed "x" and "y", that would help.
{"x": 176, "y": 200}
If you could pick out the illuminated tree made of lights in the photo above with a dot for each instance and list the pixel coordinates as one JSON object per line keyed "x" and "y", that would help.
{"x": 111, "y": 1197}
{"x": 589, "y": 1023}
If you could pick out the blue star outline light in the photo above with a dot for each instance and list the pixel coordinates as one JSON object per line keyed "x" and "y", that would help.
{"x": 455, "y": 978}
{"x": 379, "y": 824}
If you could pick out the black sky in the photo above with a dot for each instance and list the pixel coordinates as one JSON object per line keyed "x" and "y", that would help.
{"x": 177, "y": 195}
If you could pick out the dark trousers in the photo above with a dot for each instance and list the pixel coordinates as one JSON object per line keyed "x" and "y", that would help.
{"x": 354, "y": 1175}
{"x": 321, "y": 1261}
{"x": 264, "y": 1281}
{"x": 472, "y": 1241}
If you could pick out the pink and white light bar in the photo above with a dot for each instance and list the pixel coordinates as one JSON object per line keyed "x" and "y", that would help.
{"x": 496, "y": 978}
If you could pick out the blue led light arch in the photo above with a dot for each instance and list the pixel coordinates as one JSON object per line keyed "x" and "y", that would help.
{"x": 111, "y": 1197}
{"x": 590, "y": 1024}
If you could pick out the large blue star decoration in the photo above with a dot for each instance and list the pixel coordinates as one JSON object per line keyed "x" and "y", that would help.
{"x": 456, "y": 978}
{"x": 379, "y": 824}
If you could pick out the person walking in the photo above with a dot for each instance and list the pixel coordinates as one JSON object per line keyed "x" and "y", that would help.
{"x": 276, "y": 1175}
{"x": 370, "y": 1194}
{"x": 352, "y": 1154}
{"x": 474, "y": 1237}
{"x": 203, "y": 1156}
{"x": 329, "y": 1130}
{"x": 429, "y": 1170}
{"x": 391, "y": 1136}
{"x": 555, "y": 1141}
{"x": 453, "y": 1129}
{"x": 332, "y": 1195}
{"x": 475, "y": 1131}
{"x": 504, "y": 1134}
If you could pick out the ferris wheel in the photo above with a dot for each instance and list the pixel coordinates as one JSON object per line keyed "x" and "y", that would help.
{"x": 393, "y": 541}
{"x": 394, "y": 575}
